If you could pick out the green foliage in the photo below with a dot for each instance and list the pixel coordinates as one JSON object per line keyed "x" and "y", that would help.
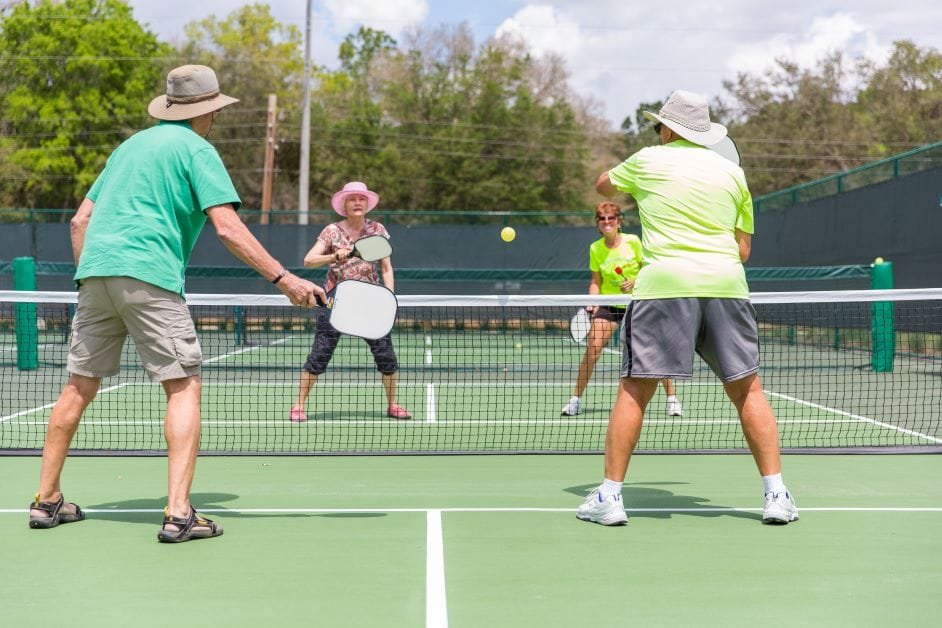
{"x": 78, "y": 75}
{"x": 443, "y": 124}
{"x": 253, "y": 55}
{"x": 795, "y": 125}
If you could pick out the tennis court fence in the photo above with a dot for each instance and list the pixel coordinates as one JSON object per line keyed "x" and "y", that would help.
{"x": 845, "y": 371}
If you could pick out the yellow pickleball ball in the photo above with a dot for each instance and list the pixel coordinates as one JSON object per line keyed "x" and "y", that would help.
{"x": 878, "y": 261}
{"x": 507, "y": 234}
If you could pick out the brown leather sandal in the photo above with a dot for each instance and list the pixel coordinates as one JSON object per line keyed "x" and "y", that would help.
{"x": 54, "y": 514}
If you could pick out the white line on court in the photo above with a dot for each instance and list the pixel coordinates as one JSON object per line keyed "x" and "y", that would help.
{"x": 436, "y": 606}
{"x": 430, "y": 410}
{"x": 124, "y": 384}
{"x": 231, "y": 354}
{"x": 48, "y": 405}
{"x": 857, "y": 417}
{"x": 384, "y": 422}
{"x": 315, "y": 511}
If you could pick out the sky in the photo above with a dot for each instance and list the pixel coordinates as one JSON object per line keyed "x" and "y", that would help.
{"x": 618, "y": 52}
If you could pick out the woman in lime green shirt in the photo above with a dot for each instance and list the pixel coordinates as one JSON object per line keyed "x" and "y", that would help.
{"x": 614, "y": 260}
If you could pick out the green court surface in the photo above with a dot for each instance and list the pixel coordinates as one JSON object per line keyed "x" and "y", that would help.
{"x": 470, "y": 541}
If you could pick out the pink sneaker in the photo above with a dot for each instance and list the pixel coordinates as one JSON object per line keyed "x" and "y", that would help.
{"x": 398, "y": 412}
{"x": 298, "y": 416}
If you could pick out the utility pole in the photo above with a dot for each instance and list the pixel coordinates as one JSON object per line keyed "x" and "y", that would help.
{"x": 268, "y": 170}
{"x": 305, "y": 167}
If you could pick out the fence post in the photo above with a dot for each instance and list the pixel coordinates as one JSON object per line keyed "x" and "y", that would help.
{"x": 882, "y": 326}
{"x": 25, "y": 321}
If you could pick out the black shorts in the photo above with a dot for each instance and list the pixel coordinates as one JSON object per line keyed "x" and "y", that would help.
{"x": 325, "y": 342}
{"x": 612, "y": 313}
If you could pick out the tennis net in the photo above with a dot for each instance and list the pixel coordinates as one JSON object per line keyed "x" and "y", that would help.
{"x": 844, "y": 371}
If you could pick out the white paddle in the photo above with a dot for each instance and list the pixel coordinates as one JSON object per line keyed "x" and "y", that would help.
{"x": 726, "y": 147}
{"x": 372, "y": 248}
{"x": 579, "y": 326}
{"x": 362, "y": 309}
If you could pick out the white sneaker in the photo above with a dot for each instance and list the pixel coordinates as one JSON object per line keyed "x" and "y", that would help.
{"x": 674, "y": 408}
{"x": 572, "y": 408}
{"x": 779, "y": 508}
{"x": 608, "y": 512}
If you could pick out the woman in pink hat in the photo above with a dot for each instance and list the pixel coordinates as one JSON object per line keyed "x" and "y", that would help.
{"x": 334, "y": 247}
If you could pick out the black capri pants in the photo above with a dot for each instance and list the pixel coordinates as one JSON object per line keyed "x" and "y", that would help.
{"x": 325, "y": 342}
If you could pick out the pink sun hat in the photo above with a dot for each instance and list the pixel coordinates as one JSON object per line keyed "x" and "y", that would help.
{"x": 351, "y": 189}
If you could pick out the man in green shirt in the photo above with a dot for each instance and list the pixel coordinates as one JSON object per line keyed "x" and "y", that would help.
{"x": 690, "y": 296}
{"x": 132, "y": 237}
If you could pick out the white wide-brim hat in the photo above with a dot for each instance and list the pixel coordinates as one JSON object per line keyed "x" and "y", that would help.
{"x": 688, "y": 115}
{"x": 351, "y": 189}
{"x": 192, "y": 90}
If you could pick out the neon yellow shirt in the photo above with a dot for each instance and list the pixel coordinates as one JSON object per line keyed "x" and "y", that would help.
{"x": 690, "y": 200}
{"x": 617, "y": 264}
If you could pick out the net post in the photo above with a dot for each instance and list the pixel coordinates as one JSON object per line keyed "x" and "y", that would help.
{"x": 25, "y": 320}
{"x": 882, "y": 327}
{"x": 239, "y": 326}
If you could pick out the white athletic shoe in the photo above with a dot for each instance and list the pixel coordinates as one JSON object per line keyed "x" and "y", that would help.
{"x": 572, "y": 408}
{"x": 779, "y": 508}
{"x": 608, "y": 512}
{"x": 674, "y": 408}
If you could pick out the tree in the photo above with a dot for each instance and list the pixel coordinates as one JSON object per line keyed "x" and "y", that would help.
{"x": 439, "y": 123}
{"x": 902, "y": 100}
{"x": 78, "y": 75}
{"x": 253, "y": 55}
{"x": 794, "y": 125}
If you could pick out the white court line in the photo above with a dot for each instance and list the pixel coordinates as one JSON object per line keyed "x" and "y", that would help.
{"x": 44, "y": 407}
{"x": 122, "y": 385}
{"x": 571, "y": 509}
{"x": 246, "y": 350}
{"x": 385, "y": 422}
{"x": 431, "y": 415}
{"x": 858, "y": 417}
{"x": 436, "y": 606}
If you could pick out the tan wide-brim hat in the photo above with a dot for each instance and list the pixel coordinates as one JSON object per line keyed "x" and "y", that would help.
{"x": 353, "y": 188}
{"x": 192, "y": 90}
{"x": 688, "y": 115}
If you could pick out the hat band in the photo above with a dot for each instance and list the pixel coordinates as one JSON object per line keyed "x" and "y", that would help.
{"x": 693, "y": 127}
{"x": 189, "y": 100}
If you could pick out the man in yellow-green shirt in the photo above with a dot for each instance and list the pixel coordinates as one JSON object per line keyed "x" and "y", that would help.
{"x": 690, "y": 296}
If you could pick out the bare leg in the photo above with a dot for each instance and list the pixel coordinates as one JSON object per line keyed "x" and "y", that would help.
{"x": 599, "y": 335}
{"x": 389, "y": 384}
{"x": 758, "y": 422}
{"x": 669, "y": 388}
{"x": 304, "y": 389}
{"x": 624, "y": 425}
{"x": 78, "y": 392}
{"x": 182, "y": 432}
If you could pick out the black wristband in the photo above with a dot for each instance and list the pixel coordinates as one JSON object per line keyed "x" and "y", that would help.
{"x": 280, "y": 276}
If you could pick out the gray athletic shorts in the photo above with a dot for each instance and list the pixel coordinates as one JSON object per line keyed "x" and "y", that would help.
{"x": 111, "y": 308}
{"x": 661, "y": 336}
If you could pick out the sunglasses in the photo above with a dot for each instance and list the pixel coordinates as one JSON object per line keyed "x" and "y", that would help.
{"x": 606, "y": 218}
{"x": 657, "y": 128}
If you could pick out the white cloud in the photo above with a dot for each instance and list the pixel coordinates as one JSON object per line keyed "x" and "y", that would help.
{"x": 840, "y": 32}
{"x": 545, "y": 30}
{"x": 391, "y": 16}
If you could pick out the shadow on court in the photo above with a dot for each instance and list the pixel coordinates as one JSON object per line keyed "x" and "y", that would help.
{"x": 203, "y": 502}
{"x": 667, "y": 503}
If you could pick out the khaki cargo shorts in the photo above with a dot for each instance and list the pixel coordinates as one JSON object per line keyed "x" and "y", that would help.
{"x": 111, "y": 308}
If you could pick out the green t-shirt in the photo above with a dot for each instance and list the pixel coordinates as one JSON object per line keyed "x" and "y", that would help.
{"x": 149, "y": 203}
{"x": 617, "y": 264}
{"x": 690, "y": 200}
